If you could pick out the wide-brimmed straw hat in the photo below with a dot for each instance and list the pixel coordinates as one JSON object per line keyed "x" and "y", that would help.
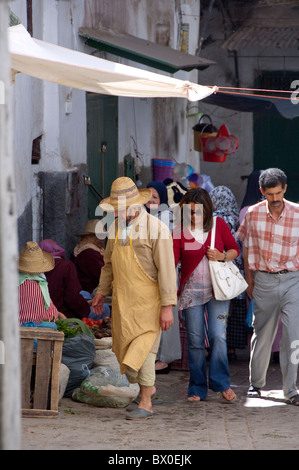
{"x": 124, "y": 193}
{"x": 33, "y": 260}
{"x": 90, "y": 229}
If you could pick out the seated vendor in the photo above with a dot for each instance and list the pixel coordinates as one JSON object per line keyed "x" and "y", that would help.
{"x": 63, "y": 283}
{"x": 89, "y": 257}
{"x": 35, "y": 304}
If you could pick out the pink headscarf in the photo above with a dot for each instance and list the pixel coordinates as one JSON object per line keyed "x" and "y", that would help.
{"x": 50, "y": 246}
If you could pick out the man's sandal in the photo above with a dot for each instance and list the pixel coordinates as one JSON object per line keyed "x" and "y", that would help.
{"x": 139, "y": 414}
{"x": 294, "y": 400}
{"x": 134, "y": 404}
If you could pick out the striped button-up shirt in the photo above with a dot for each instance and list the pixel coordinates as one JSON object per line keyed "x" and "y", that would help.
{"x": 273, "y": 245}
{"x": 32, "y": 305}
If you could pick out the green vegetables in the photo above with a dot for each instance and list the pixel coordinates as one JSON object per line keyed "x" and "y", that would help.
{"x": 72, "y": 327}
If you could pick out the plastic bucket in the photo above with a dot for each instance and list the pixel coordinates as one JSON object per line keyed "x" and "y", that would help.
{"x": 162, "y": 169}
{"x": 197, "y": 139}
{"x": 203, "y": 129}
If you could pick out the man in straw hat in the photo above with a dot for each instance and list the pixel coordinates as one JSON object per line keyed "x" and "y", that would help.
{"x": 35, "y": 304}
{"x": 139, "y": 263}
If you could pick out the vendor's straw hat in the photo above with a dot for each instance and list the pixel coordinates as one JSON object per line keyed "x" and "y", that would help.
{"x": 33, "y": 260}
{"x": 90, "y": 229}
{"x": 124, "y": 193}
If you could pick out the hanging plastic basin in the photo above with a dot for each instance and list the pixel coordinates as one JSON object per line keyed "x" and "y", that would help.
{"x": 162, "y": 169}
{"x": 215, "y": 156}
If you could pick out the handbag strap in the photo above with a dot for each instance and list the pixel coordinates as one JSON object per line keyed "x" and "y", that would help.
{"x": 213, "y": 232}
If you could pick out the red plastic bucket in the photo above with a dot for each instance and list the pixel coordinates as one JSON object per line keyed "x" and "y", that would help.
{"x": 162, "y": 169}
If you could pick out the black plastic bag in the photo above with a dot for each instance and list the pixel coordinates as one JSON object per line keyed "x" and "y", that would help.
{"x": 78, "y": 355}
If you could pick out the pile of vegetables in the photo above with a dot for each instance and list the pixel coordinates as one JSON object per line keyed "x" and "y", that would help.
{"x": 100, "y": 328}
{"x": 73, "y": 326}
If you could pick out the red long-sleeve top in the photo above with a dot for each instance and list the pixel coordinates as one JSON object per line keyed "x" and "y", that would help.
{"x": 190, "y": 252}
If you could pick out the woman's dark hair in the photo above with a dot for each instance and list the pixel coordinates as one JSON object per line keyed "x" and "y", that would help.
{"x": 200, "y": 196}
{"x": 272, "y": 177}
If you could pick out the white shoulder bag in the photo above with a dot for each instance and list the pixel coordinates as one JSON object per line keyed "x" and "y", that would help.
{"x": 227, "y": 280}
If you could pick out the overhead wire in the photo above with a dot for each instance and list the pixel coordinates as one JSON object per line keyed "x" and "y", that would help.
{"x": 236, "y": 91}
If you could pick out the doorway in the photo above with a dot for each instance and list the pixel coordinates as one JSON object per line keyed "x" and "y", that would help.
{"x": 276, "y": 138}
{"x": 102, "y": 147}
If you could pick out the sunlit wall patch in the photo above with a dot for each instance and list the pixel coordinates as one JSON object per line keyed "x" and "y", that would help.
{"x": 2, "y": 92}
{"x": 2, "y": 353}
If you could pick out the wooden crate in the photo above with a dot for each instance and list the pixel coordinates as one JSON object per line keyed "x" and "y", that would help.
{"x": 40, "y": 369}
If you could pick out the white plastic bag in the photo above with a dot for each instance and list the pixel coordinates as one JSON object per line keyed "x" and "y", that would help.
{"x": 227, "y": 280}
{"x": 106, "y": 387}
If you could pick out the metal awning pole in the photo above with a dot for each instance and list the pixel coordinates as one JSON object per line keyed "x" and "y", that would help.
{"x": 9, "y": 337}
{"x": 203, "y": 32}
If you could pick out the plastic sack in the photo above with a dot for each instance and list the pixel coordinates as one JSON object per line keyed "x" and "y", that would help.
{"x": 106, "y": 387}
{"x": 106, "y": 358}
{"x": 77, "y": 354}
{"x": 64, "y": 377}
{"x": 103, "y": 343}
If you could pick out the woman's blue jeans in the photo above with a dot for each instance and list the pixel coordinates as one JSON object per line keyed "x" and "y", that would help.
{"x": 219, "y": 379}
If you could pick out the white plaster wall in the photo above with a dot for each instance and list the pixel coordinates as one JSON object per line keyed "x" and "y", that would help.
{"x": 27, "y": 105}
{"x": 72, "y": 102}
{"x": 160, "y": 127}
{"x": 39, "y": 107}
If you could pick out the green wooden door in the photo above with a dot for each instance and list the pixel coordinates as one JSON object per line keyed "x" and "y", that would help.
{"x": 276, "y": 139}
{"x": 102, "y": 147}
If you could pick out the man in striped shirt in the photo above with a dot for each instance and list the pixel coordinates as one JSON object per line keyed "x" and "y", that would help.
{"x": 270, "y": 233}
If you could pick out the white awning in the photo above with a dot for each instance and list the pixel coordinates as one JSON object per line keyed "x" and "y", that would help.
{"x": 75, "y": 69}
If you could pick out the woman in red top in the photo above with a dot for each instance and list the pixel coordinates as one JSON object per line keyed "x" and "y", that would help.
{"x": 192, "y": 249}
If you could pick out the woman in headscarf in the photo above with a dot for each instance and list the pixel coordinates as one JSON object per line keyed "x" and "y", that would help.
{"x": 170, "y": 343}
{"x": 158, "y": 204}
{"x": 253, "y": 193}
{"x": 226, "y": 207}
